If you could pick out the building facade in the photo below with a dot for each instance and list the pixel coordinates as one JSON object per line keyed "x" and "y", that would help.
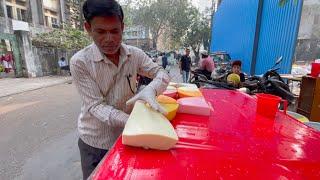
{"x": 35, "y": 16}
{"x": 138, "y": 36}
{"x": 308, "y": 45}
{"x": 216, "y": 4}
{"x": 20, "y": 20}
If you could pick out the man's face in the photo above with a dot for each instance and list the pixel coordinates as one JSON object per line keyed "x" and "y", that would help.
{"x": 106, "y": 32}
{"x": 187, "y": 52}
{"x": 236, "y": 69}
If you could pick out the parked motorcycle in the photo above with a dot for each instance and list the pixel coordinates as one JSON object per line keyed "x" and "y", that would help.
{"x": 219, "y": 75}
{"x": 270, "y": 83}
{"x": 206, "y": 81}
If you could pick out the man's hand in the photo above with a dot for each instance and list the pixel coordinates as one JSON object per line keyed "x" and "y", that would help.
{"x": 148, "y": 95}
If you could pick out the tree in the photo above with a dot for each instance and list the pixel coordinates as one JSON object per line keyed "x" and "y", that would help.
{"x": 67, "y": 38}
{"x": 154, "y": 15}
{"x": 129, "y": 12}
{"x": 198, "y": 34}
{"x": 169, "y": 19}
{"x": 182, "y": 16}
{"x": 74, "y": 13}
{"x": 165, "y": 16}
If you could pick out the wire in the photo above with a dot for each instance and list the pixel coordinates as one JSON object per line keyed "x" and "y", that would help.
{"x": 128, "y": 78}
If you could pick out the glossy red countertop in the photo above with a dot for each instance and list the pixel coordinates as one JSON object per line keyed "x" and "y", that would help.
{"x": 233, "y": 143}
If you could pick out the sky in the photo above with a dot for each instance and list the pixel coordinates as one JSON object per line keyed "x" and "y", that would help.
{"x": 200, "y": 4}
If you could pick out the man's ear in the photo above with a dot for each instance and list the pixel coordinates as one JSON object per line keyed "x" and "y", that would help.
{"x": 122, "y": 27}
{"x": 87, "y": 26}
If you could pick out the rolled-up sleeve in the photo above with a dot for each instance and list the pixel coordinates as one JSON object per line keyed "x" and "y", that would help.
{"x": 92, "y": 98}
{"x": 152, "y": 70}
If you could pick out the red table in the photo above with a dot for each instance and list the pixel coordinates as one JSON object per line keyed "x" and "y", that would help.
{"x": 233, "y": 143}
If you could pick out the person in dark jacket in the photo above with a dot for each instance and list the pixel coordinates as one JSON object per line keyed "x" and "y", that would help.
{"x": 185, "y": 66}
{"x": 164, "y": 61}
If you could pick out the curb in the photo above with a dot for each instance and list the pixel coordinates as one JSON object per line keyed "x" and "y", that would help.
{"x": 37, "y": 88}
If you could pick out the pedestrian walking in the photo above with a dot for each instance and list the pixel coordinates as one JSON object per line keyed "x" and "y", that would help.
{"x": 185, "y": 66}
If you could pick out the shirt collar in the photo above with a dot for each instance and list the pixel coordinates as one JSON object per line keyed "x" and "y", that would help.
{"x": 99, "y": 56}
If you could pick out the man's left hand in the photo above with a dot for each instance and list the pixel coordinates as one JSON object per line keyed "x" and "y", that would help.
{"x": 148, "y": 95}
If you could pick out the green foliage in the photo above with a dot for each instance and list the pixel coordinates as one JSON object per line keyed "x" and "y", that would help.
{"x": 129, "y": 12}
{"x": 198, "y": 34}
{"x": 284, "y": 2}
{"x": 155, "y": 15}
{"x": 67, "y": 38}
{"x": 183, "y": 17}
{"x": 172, "y": 19}
{"x": 74, "y": 13}
{"x": 1, "y": 68}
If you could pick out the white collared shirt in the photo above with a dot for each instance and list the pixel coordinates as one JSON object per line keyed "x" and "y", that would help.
{"x": 62, "y": 63}
{"x": 104, "y": 90}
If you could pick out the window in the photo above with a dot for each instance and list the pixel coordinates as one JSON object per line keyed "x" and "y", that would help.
{"x": 9, "y": 12}
{"x": 135, "y": 33}
{"x": 21, "y": 14}
{"x": 21, "y": 2}
{"x": 46, "y": 19}
{"x": 54, "y": 22}
{"x": 317, "y": 19}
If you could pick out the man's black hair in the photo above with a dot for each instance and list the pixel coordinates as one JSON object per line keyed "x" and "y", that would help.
{"x": 237, "y": 63}
{"x": 103, "y": 8}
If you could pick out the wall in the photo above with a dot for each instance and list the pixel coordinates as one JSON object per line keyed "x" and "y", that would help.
{"x": 234, "y": 27}
{"x": 308, "y": 46}
{"x": 144, "y": 44}
{"x": 306, "y": 24}
{"x": 278, "y": 35}
{"x": 51, "y": 4}
{"x": 307, "y": 50}
{"x": 257, "y": 32}
{"x": 48, "y": 59}
{"x": 4, "y": 26}
{"x": 30, "y": 65}
{"x": 136, "y": 32}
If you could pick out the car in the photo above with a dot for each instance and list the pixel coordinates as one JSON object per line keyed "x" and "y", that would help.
{"x": 221, "y": 59}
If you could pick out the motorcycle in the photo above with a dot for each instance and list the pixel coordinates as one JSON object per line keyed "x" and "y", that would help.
{"x": 270, "y": 83}
{"x": 200, "y": 76}
{"x": 206, "y": 81}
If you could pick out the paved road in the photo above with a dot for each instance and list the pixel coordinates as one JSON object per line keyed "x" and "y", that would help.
{"x": 38, "y": 137}
{"x": 12, "y": 86}
{"x": 38, "y": 134}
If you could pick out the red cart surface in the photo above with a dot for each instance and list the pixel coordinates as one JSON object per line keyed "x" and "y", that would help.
{"x": 233, "y": 143}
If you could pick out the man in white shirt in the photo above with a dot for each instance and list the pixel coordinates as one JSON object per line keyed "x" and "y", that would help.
{"x": 63, "y": 64}
{"x": 105, "y": 75}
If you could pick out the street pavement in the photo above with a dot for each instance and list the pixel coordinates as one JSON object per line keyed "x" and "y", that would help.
{"x": 11, "y": 86}
{"x": 174, "y": 74}
{"x": 38, "y": 121}
{"x": 38, "y": 137}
